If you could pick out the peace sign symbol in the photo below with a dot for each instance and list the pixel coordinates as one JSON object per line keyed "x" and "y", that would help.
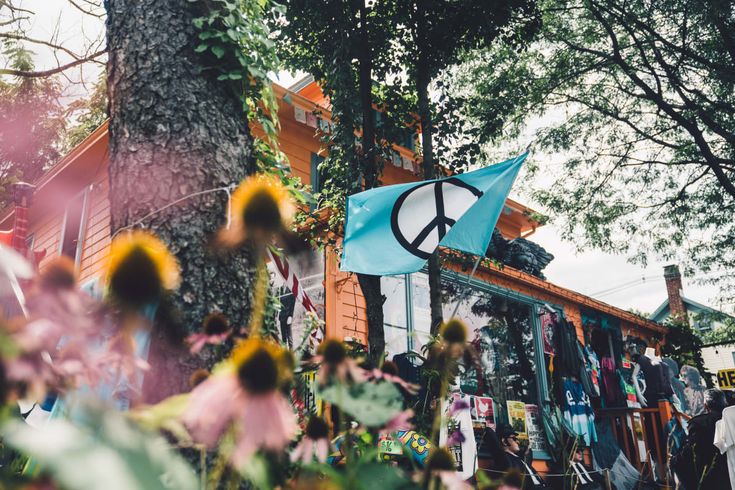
{"x": 424, "y": 214}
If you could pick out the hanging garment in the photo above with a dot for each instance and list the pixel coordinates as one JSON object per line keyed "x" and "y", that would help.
{"x": 610, "y": 384}
{"x": 568, "y": 355}
{"x": 593, "y": 368}
{"x": 578, "y": 413}
{"x": 725, "y": 440}
{"x": 606, "y": 454}
{"x": 658, "y": 380}
{"x": 583, "y": 374}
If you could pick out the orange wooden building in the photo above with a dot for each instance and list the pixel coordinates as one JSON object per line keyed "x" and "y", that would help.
{"x": 70, "y": 216}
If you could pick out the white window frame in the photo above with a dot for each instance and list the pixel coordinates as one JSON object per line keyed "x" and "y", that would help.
{"x": 82, "y": 225}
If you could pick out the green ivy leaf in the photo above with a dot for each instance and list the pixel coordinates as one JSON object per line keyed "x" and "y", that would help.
{"x": 218, "y": 51}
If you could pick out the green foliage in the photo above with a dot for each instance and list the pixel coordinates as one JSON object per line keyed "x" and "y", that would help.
{"x": 235, "y": 41}
{"x": 328, "y": 47}
{"x": 31, "y": 122}
{"x": 371, "y": 404}
{"x": 110, "y": 453}
{"x": 639, "y": 99}
{"x": 722, "y": 327}
{"x": 93, "y": 113}
{"x": 684, "y": 346}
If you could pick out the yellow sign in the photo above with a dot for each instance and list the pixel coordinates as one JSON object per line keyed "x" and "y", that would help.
{"x": 726, "y": 379}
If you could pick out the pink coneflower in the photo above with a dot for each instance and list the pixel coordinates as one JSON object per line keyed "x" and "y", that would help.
{"x": 441, "y": 464}
{"x": 457, "y": 406}
{"x": 402, "y": 421}
{"x": 387, "y": 375}
{"x": 215, "y": 330}
{"x": 314, "y": 443}
{"x": 336, "y": 365}
{"x": 245, "y": 395}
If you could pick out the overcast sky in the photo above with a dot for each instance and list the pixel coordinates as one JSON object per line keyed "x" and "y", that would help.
{"x": 589, "y": 273}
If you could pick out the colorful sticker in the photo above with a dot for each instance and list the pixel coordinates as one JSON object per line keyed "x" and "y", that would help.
{"x": 418, "y": 445}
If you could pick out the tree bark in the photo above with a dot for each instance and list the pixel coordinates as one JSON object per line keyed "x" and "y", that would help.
{"x": 175, "y": 130}
{"x": 423, "y": 79}
{"x": 369, "y": 284}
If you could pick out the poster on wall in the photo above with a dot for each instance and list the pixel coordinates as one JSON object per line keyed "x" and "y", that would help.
{"x": 548, "y": 319}
{"x": 536, "y": 439}
{"x": 483, "y": 412}
{"x": 517, "y": 416}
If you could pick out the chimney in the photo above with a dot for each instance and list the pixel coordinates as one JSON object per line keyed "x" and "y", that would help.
{"x": 22, "y": 198}
{"x": 677, "y": 309}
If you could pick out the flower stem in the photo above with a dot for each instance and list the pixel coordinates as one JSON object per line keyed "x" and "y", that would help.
{"x": 259, "y": 298}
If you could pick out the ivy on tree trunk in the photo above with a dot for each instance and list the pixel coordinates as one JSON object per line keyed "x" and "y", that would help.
{"x": 175, "y": 130}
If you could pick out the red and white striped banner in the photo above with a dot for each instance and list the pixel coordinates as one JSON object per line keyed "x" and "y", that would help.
{"x": 293, "y": 283}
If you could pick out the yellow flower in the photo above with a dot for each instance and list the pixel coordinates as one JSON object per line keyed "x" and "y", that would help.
{"x": 259, "y": 365}
{"x": 140, "y": 268}
{"x": 261, "y": 208}
{"x": 454, "y": 331}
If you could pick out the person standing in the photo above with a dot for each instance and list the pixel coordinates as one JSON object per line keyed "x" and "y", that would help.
{"x": 699, "y": 465}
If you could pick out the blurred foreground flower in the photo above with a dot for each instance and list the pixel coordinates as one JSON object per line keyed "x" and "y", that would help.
{"x": 245, "y": 394}
{"x": 336, "y": 365}
{"x": 261, "y": 212}
{"x": 441, "y": 465}
{"x": 402, "y": 421}
{"x": 63, "y": 346}
{"x": 140, "y": 269}
{"x": 314, "y": 443}
{"x": 387, "y": 373}
{"x": 215, "y": 330}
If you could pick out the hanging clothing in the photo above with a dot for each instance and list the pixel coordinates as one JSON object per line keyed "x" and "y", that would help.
{"x": 593, "y": 368}
{"x": 658, "y": 380}
{"x": 578, "y": 413}
{"x": 725, "y": 440}
{"x": 606, "y": 453}
{"x": 568, "y": 356}
{"x": 610, "y": 384}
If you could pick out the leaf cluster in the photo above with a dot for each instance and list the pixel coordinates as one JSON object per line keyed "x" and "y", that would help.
{"x": 32, "y": 121}
{"x": 639, "y": 98}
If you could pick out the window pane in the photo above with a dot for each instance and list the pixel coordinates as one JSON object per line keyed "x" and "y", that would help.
{"x": 394, "y": 308}
{"x": 502, "y": 333}
{"x": 72, "y": 227}
{"x": 421, "y": 302}
{"x": 396, "y": 341}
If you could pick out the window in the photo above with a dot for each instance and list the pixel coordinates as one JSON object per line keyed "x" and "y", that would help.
{"x": 72, "y": 233}
{"x": 395, "y": 314}
{"x": 503, "y": 333}
{"x": 502, "y": 324}
{"x": 317, "y": 176}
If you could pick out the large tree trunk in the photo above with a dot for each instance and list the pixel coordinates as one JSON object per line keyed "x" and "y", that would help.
{"x": 370, "y": 285}
{"x": 175, "y": 130}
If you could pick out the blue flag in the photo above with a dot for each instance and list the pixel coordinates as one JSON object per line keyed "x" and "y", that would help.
{"x": 394, "y": 229}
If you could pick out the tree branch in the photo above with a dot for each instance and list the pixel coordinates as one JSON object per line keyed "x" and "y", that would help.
{"x": 52, "y": 71}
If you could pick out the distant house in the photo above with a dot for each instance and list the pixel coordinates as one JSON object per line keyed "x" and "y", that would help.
{"x": 701, "y": 317}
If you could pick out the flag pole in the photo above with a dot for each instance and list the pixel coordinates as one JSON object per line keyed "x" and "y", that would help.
{"x": 479, "y": 257}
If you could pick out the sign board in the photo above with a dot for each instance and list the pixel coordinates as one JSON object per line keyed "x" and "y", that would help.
{"x": 726, "y": 379}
